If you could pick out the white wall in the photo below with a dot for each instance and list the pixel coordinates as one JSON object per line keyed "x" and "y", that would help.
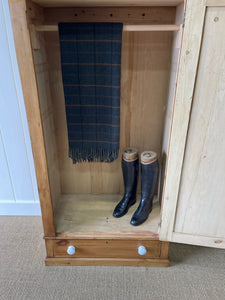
{"x": 18, "y": 186}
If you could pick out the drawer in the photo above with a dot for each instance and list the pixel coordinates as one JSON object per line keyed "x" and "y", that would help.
{"x": 106, "y": 248}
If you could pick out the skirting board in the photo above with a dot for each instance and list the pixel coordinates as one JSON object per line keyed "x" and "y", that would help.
{"x": 106, "y": 262}
{"x": 20, "y": 209}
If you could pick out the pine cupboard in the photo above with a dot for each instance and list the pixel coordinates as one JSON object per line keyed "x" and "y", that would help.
{"x": 172, "y": 102}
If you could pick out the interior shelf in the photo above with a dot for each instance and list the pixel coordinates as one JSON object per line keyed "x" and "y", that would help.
{"x": 90, "y": 216}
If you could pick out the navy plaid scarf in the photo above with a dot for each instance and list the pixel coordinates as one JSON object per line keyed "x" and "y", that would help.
{"x": 91, "y": 60}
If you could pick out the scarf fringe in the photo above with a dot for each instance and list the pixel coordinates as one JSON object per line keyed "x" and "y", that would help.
{"x": 93, "y": 155}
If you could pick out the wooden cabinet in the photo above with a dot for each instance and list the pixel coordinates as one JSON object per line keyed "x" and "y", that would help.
{"x": 172, "y": 87}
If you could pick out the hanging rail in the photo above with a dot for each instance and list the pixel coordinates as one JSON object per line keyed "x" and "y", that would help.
{"x": 165, "y": 27}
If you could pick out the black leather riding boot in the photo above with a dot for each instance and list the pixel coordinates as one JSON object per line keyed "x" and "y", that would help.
{"x": 130, "y": 176}
{"x": 149, "y": 176}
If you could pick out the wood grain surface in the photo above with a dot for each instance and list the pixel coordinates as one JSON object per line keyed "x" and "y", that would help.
{"x": 187, "y": 70}
{"x": 106, "y": 262}
{"x": 60, "y": 3}
{"x": 31, "y": 99}
{"x": 201, "y": 202}
{"x": 90, "y": 216}
{"x": 126, "y": 15}
{"x": 107, "y": 248}
{"x": 47, "y": 114}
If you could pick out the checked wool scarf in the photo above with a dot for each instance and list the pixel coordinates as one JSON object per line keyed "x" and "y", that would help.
{"x": 91, "y": 61}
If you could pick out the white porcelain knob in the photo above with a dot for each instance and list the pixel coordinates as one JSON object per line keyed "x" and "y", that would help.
{"x": 142, "y": 250}
{"x": 71, "y": 250}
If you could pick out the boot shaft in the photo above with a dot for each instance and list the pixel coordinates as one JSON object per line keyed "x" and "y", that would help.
{"x": 149, "y": 174}
{"x": 130, "y": 175}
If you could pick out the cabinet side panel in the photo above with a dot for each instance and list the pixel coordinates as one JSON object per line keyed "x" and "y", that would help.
{"x": 48, "y": 116}
{"x": 201, "y": 203}
{"x": 28, "y": 80}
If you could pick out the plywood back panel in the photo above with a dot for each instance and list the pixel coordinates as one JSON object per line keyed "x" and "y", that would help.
{"x": 84, "y": 177}
{"x": 149, "y": 90}
{"x": 144, "y": 86}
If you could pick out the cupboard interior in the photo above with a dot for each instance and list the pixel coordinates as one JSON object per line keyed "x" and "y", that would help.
{"x": 85, "y": 194}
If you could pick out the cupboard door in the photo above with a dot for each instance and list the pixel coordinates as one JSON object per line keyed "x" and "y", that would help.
{"x": 196, "y": 205}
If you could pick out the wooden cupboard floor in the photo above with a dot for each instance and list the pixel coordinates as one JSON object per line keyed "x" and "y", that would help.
{"x": 90, "y": 216}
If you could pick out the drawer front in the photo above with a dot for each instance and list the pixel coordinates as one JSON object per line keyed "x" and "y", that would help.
{"x": 107, "y": 248}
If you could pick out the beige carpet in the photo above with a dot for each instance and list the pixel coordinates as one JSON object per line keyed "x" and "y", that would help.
{"x": 195, "y": 272}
